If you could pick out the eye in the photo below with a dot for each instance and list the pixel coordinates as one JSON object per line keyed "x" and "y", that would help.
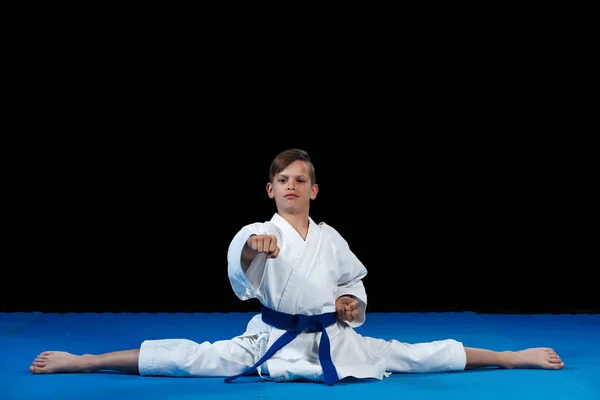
{"x": 281, "y": 180}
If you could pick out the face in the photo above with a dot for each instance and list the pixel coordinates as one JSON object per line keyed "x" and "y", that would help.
{"x": 292, "y": 188}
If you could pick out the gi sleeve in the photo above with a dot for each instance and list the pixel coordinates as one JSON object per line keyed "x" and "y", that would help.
{"x": 246, "y": 285}
{"x": 352, "y": 285}
{"x": 351, "y": 271}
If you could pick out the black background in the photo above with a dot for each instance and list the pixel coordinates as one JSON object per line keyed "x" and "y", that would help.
{"x": 443, "y": 223}
{"x": 463, "y": 176}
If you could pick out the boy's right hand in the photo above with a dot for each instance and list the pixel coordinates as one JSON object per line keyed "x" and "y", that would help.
{"x": 264, "y": 244}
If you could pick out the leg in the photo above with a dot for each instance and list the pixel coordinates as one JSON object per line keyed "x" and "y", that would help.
{"x": 537, "y": 357}
{"x": 437, "y": 356}
{"x": 166, "y": 357}
{"x": 186, "y": 358}
{"x": 50, "y": 362}
{"x": 451, "y": 355}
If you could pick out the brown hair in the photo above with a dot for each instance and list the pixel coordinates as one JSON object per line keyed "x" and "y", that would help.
{"x": 285, "y": 158}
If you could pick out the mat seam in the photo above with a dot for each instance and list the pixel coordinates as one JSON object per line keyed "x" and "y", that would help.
{"x": 497, "y": 331}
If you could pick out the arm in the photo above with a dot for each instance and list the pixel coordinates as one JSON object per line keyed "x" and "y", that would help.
{"x": 351, "y": 297}
{"x": 246, "y": 259}
{"x": 255, "y": 245}
{"x": 248, "y": 256}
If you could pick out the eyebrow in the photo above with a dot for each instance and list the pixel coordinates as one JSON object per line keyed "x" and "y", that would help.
{"x": 287, "y": 176}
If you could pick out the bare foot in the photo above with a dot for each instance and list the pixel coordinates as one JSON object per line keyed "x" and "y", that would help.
{"x": 537, "y": 357}
{"x": 52, "y": 362}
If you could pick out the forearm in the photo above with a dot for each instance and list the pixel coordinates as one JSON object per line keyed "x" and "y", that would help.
{"x": 248, "y": 255}
{"x": 245, "y": 279}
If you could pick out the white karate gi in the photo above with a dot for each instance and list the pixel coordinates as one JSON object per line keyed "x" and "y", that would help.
{"x": 305, "y": 278}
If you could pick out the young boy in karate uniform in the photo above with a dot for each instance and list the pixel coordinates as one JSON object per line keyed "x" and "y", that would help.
{"x": 309, "y": 284}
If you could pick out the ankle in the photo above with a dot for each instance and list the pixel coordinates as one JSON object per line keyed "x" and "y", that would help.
{"x": 88, "y": 363}
{"x": 506, "y": 359}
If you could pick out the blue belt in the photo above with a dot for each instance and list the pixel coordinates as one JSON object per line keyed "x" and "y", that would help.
{"x": 294, "y": 325}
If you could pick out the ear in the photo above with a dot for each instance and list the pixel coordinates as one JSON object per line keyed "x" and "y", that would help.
{"x": 270, "y": 190}
{"x": 313, "y": 191}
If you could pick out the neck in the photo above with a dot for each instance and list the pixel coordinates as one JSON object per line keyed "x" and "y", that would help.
{"x": 298, "y": 221}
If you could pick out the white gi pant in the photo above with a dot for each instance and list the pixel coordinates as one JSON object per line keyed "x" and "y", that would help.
{"x": 186, "y": 358}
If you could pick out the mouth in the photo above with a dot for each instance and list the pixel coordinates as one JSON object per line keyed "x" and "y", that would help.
{"x": 291, "y": 196}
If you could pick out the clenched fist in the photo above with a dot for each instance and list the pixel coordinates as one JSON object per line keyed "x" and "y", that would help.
{"x": 264, "y": 244}
{"x": 346, "y": 308}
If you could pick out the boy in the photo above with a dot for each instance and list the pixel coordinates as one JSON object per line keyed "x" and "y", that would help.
{"x": 309, "y": 284}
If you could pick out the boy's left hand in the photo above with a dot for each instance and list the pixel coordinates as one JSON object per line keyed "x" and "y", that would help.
{"x": 346, "y": 308}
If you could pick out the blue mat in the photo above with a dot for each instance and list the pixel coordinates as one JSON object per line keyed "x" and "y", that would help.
{"x": 575, "y": 337}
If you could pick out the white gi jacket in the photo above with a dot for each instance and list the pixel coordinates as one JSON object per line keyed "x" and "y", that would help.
{"x": 305, "y": 278}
